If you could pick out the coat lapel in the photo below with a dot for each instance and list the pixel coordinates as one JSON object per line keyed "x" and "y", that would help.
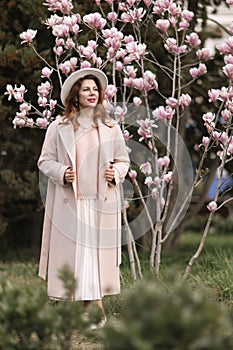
{"x": 66, "y": 132}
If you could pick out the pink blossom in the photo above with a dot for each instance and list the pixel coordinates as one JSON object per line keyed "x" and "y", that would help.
{"x": 75, "y": 29}
{"x": 65, "y": 6}
{"x": 196, "y": 72}
{"x": 132, "y": 175}
{"x": 133, "y": 16}
{"x": 148, "y": 181}
{"x": 119, "y": 66}
{"x": 228, "y": 70}
{"x": 228, "y": 59}
{"x": 187, "y": 15}
{"x": 53, "y": 20}
{"x": 70, "y": 44}
{"x": 145, "y": 130}
{"x": 147, "y": 2}
{"x": 44, "y": 89}
{"x": 185, "y": 100}
{"x": 68, "y": 66}
{"x": 172, "y": 102}
{"x": 52, "y": 104}
{"x": 25, "y": 107}
{"x": 212, "y": 206}
{"x": 137, "y": 101}
{"x": 205, "y": 141}
{"x": 28, "y": 36}
{"x": 166, "y": 161}
{"x": 110, "y": 92}
{"x": 126, "y": 135}
{"x": 160, "y": 162}
{"x": 121, "y": 53}
{"x": 110, "y": 2}
{"x": 42, "y": 123}
{"x": 157, "y": 181}
{"x": 98, "y": 2}
{"x": 168, "y": 177}
{"x": 9, "y": 91}
{"x": 173, "y": 21}
{"x": 61, "y": 30}
{"x": 204, "y": 54}
{"x": 216, "y": 135}
{"x": 127, "y": 60}
{"x": 146, "y": 168}
{"x": 128, "y": 82}
{"x": 226, "y": 114}
{"x": 128, "y": 39}
{"x": 46, "y": 72}
{"x": 85, "y": 64}
{"x": 130, "y": 71}
{"x": 149, "y": 80}
{"x": 163, "y": 24}
{"x": 60, "y": 42}
{"x": 184, "y": 25}
{"x": 58, "y": 50}
{"x": 193, "y": 40}
{"x": 95, "y": 20}
{"x": 112, "y": 16}
{"x": 138, "y": 83}
{"x": 136, "y": 51}
{"x": 42, "y": 101}
{"x": 182, "y": 49}
{"x": 19, "y": 121}
{"x": 47, "y": 114}
{"x": 213, "y": 95}
{"x": 171, "y": 45}
{"x": 208, "y": 117}
{"x": 163, "y": 113}
{"x": 173, "y": 9}
{"x": 224, "y": 138}
{"x": 229, "y": 2}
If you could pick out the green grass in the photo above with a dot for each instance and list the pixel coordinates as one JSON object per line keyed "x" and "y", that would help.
{"x": 213, "y": 271}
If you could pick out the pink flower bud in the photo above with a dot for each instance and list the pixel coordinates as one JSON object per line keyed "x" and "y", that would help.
{"x": 166, "y": 161}
{"x": 193, "y": 40}
{"x": 226, "y": 114}
{"x": 110, "y": 92}
{"x": 119, "y": 66}
{"x": 160, "y": 163}
{"x": 212, "y": 206}
{"x": 216, "y": 135}
{"x": 213, "y": 95}
{"x": 85, "y": 64}
{"x": 205, "y": 141}
{"x": 168, "y": 177}
{"x": 112, "y": 16}
{"x": 228, "y": 70}
{"x": 204, "y": 54}
{"x": 148, "y": 181}
{"x": 132, "y": 175}
{"x": 42, "y": 123}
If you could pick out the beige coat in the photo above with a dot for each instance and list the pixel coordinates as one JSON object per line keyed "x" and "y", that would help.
{"x": 60, "y": 220}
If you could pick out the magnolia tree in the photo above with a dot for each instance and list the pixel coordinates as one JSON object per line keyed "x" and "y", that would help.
{"x": 118, "y": 45}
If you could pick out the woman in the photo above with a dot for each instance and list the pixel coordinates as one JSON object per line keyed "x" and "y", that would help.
{"x": 85, "y": 159}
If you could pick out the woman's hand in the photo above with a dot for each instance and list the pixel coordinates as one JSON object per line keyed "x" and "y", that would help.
{"x": 69, "y": 175}
{"x": 109, "y": 173}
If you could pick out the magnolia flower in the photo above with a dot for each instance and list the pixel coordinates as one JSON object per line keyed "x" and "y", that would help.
{"x": 168, "y": 177}
{"x": 9, "y": 91}
{"x": 138, "y": 83}
{"x": 185, "y": 100}
{"x": 137, "y": 101}
{"x": 42, "y": 123}
{"x": 154, "y": 193}
{"x": 212, "y": 206}
{"x": 42, "y": 101}
{"x": 226, "y": 114}
{"x": 208, "y": 117}
{"x": 146, "y": 168}
{"x": 213, "y": 95}
{"x": 193, "y": 39}
{"x": 119, "y": 66}
{"x": 110, "y": 92}
{"x": 112, "y": 16}
{"x": 205, "y": 141}
{"x": 187, "y": 15}
{"x": 19, "y": 121}
{"x": 172, "y": 102}
{"x": 184, "y": 25}
{"x": 25, "y": 107}
{"x": 95, "y": 20}
{"x": 61, "y": 30}
{"x": 147, "y": 2}
{"x": 28, "y": 36}
{"x": 46, "y": 72}
{"x": 130, "y": 71}
{"x": 148, "y": 181}
{"x": 65, "y": 6}
{"x": 132, "y": 175}
{"x": 70, "y": 44}
{"x": 228, "y": 58}
{"x": 126, "y": 135}
{"x": 52, "y": 104}
{"x": 163, "y": 24}
{"x": 228, "y": 70}
{"x": 204, "y": 54}
{"x": 85, "y": 64}
{"x": 196, "y": 72}
{"x": 44, "y": 89}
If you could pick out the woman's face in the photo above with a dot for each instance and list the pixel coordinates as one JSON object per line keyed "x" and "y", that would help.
{"x": 88, "y": 94}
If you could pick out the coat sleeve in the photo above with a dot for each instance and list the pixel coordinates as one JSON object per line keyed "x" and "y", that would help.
{"x": 48, "y": 161}
{"x": 121, "y": 159}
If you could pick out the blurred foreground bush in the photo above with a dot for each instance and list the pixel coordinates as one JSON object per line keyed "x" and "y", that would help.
{"x": 162, "y": 318}
{"x": 29, "y": 321}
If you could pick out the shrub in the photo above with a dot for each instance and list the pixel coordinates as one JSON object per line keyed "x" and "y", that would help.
{"x": 157, "y": 317}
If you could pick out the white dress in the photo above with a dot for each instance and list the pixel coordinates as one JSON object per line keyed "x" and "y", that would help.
{"x": 86, "y": 259}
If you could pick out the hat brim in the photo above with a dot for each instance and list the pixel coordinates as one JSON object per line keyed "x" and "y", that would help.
{"x": 69, "y": 82}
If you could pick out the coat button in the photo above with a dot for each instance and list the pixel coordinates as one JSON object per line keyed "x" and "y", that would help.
{"x": 65, "y": 200}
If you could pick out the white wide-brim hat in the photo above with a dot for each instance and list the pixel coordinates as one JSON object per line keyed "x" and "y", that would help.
{"x": 69, "y": 82}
